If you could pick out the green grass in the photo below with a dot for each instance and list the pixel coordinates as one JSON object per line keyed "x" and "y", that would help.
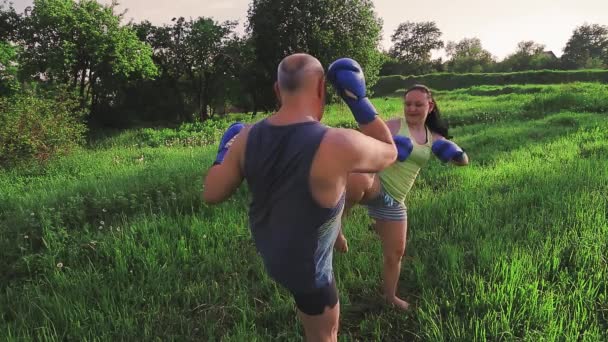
{"x": 114, "y": 242}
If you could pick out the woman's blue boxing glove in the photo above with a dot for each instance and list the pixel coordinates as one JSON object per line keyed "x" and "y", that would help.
{"x": 404, "y": 147}
{"x": 447, "y": 151}
{"x": 346, "y": 76}
{"x": 226, "y": 141}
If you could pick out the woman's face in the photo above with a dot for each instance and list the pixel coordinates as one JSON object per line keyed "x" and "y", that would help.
{"x": 417, "y": 106}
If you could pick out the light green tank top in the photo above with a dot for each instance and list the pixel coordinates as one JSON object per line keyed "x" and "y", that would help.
{"x": 399, "y": 178}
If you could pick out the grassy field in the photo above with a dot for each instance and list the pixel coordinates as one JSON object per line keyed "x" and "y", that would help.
{"x": 114, "y": 242}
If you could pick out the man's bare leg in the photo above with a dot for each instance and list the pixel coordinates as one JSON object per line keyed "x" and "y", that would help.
{"x": 323, "y": 327}
{"x": 360, "y": 187}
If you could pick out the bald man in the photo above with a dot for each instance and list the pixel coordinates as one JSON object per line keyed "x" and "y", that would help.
{"x": 297, "y": 169}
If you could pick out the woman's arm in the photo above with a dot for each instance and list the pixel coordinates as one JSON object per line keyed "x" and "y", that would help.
{"x": 451, "y": 153}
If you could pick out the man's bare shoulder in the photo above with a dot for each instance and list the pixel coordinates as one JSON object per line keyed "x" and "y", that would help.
{"x": 340, "y": 137}
{"x": 341, "y": 146}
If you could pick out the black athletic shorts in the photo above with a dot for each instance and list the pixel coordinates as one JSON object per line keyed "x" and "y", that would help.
{"x": 313, "y": 303}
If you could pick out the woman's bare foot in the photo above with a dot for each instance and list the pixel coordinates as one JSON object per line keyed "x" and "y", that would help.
{"x": 398, "y": 302}
{"x": 341, "y": 245}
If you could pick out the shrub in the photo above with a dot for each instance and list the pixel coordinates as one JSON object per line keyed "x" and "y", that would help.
{"x": 36, "y": 127}
{"x": 389, "y": 85}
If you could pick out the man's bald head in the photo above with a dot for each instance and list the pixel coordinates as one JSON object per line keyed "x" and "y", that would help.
{"x": 296, "y": 71}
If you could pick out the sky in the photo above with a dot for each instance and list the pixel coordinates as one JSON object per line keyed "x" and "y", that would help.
{"x": 499, "y": 24}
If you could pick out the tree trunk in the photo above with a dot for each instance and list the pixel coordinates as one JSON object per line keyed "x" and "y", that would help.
{"x": 94, "y": 97}
{"x": 202, "y": 100}
{"x": 180, "y": 116}
{"x": 83, "y": 77}
{"x": 255, "y": 102}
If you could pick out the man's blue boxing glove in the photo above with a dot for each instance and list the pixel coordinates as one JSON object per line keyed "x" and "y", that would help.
{"x": 226, "y": 141}
{"x": 447, "y": 151}
{"x": 404, "y": 147}
{"x": 346, "y": 76}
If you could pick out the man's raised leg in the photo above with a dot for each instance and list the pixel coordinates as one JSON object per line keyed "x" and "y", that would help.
{"x": 359, "y": 188}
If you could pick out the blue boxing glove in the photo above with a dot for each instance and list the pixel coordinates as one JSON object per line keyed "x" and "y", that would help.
{"x": 226, "y": 141}
{"x": 447, "y": 151}
{"x": 346, "y": 76}
{"x": 404, "y": 147}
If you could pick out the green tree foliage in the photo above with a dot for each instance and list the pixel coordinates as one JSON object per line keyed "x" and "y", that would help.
{"x": 326, "y": 29}
{"x": 587, "y": 47}
{"x": 9, "y": 21}
{"x": 168, "y": 96}
{"x": 194, "y": 62}
{"x": 242, "y": 83}
{"x": 9, "y": 24}
{"x": 206, "y": 62}
{"x": 413, "y": 42}
{"x": 82, "y": 44}
{"x": 8, "y": 69}
{"x": 468, "y": 55}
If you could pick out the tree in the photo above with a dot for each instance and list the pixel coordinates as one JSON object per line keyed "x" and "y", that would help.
{"x": 82, "y": 44}
{"x": 587, "y": 47}
{"x": 166, "y": 97}
{"x": 194, "y": 51}
{"x": 413, "y": 42}
{"x": 326, "y": 29}
{"x": 468, "y": 55}
{"x": 206, "y": 61}
{"x": 244, "y": 90}
{"x": 9, "y": 22}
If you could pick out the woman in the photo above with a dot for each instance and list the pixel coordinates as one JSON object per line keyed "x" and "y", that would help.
{"x": 384, "y": 193}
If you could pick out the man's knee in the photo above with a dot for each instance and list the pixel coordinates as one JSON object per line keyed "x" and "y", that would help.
{"x": 360, "y": 181}
{"x": 359, "y": 186}
{"x": 318, "y": 301}
{"x": 323, "y": 327}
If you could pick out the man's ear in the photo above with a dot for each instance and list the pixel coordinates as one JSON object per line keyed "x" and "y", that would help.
{"x": 277, "y": 92}
{"x": 321, "y": 88}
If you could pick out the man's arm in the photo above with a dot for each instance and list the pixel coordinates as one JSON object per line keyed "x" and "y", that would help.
{"x": 378, "y": 130}
{"x": 356, "y": 152}
{"x": 223, "y": 179}
{"x": 347, "y": 78}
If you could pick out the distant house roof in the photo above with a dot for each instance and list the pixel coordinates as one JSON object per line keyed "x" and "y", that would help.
{"x": 550, "y": 54}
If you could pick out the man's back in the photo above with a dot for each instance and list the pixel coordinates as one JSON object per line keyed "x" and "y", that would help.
{"x": 293, "y": 233}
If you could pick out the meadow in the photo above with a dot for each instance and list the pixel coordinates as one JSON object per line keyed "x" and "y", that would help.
{"x": 113, "y": 242}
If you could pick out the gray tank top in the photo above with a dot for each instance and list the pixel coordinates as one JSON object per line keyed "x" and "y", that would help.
{"x": 292, "y": 233}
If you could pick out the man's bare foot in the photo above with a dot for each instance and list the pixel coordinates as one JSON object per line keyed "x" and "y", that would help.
{"x": 397, "y": 302}
{"x": 341, "y": 245}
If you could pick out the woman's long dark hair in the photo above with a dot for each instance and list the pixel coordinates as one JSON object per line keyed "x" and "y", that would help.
{"x": 433, "y": 120}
